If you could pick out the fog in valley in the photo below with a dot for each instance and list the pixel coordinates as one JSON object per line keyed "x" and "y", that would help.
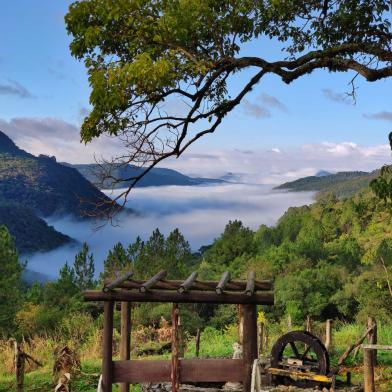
{"x": 200, "y": 212}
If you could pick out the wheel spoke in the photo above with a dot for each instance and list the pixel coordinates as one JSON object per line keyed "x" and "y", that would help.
{"x": 295, "y": 350}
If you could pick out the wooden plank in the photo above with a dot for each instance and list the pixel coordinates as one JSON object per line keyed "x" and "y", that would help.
{"x": 175, "y": 373}
{"x": 300, "y": 375}
{"x": 125, "y": 343}
{"x": 137, "y": 371}
{"x": 117, "y": 282}
{"x": 211, "y": 370}
{"x": 250, "y": 283}
{"x": 192, "y": 370}
{"x": 188, "y": 283}
{"x": 235, "y": 285}
{"x": 249, "y": 343}
{"x": 153, "y": 281}
{"x": 223, "y": 282}
{"x": 107, "y": 349}
{"x": 262, "y": 298}
{"x": 376, "y": 347}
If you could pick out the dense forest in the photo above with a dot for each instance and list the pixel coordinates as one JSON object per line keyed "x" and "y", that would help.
{"x": 331, "y": 259}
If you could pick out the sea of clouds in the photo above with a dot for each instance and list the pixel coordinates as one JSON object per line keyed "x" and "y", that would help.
{"x": 200, "y": 212}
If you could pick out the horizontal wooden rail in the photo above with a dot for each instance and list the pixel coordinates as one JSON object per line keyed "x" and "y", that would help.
{"x": 376, "y": 347}
{"x": 192, "y": 296}
{"x": 191, "y": 370}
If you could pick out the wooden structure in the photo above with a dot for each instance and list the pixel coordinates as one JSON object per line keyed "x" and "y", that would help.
{"x": 248, "y": 294}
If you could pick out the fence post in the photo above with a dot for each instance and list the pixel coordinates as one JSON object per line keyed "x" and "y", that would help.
{"x": 125, "y": 343}
{"x": 198, "y": 343}
{"x": 328, "y": 334}
{"x": 368, "y": 371}
{"x": 372, "y": 337}
{"x": 19, "y": 367}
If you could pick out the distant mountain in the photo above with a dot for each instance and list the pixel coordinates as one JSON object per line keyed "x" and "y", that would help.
{"x": 42, "y": 184}
{"x": 342, "y": 184}
{"x": 31, "y": 233}
{"x": 322, "y": 173}
{"x": 156, "y": 177}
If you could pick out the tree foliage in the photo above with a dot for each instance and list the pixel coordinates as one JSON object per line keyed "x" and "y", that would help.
{"x": 10, "y": 282}
{"x": 144, "y": 57}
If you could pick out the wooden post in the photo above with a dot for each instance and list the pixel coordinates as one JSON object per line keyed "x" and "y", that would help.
{"x": 175, "y": 375}
{"x": 19, "y": 367}
{"x": 198, "y": 343}
{"x": 107, "y": 351}
{"x": 261, "y": 336}
{"x": 372, "y": 337}
{"x": 308, "y": 324}
{"x": 328, "y": 334}
{"x": 249, "y": 343}
{"x": 240, "y": 323}
{"x": 368, "y": 371}
{"x": 125, "y": 343}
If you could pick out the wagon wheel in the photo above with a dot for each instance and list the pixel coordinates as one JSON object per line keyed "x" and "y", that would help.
{"x": 302, "y": 352}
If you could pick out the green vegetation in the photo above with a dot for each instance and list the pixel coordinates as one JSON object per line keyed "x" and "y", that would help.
{"x": 332, "y": 259}
{"x": 342, "y": 184}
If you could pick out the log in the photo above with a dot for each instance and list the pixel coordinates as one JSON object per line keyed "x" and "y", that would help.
{"x": 152, "y": 282}
{"x": 107, "y": 349}
{"x": 125, "y": 343}
{"x": 368, "y": 371}
{"x": 328, "y": 334}
{"x": 250, "y": 284}
{"x": 175, "y": 374}
{"x": 249, "y": 343}
{"x": 188, "y": 283}
{"x": 193, "y": 296}
{"x": 223, "y": 282}
{"x": 117, "y": 282}
{"x": 372, "y": 336}
{"x": 235, "y": 285}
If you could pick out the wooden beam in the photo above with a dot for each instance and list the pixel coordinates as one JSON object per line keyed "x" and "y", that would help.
{"x": 223, "y": 282}
{"x": 116, "y": 283}
{"x": 175, "y": 371}
{"x": 250, "y": 283}
{"x": 249, "y": 343}
{"x": 188, "y": 283}
{"x": 125, "y": 343}
{"x": 193, "y": 296}
{"x": 192, "y": 370}
{"x": 153, "y": 281}
{"x": 376, "y": 347}
{"x": 300, "y": 375}
{"x": 235, "y": 285}
{"x": 107, "y": 349}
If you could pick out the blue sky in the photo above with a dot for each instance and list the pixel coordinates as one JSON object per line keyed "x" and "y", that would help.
{"x": 40, "y": 82}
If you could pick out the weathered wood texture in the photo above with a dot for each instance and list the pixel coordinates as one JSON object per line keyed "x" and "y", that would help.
{"x": 125, "y": 343}
{"x": 372, "y": 336}
{"x": 163, "y": 284}
{"x": 250, "y": 283}
{"x": 117, "y": 282}
{"x": 107, "y": 349}
{"x": 223, "y": 282}
{"x": 249, "y": 343}
{"x": 175, "y": 374}
{"x": 188, "y": 283}
{"x": 149, "y": 284}
{"x": 368, "y": 371}
{"x": 328, "y": 334}
{"x": 261, "y": 298}
{"x": 192, "y": 370}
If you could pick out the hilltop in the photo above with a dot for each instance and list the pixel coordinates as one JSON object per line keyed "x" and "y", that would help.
{"x": 342, "y": 184}
{"x": 43, "y": 184}
{"x": 156, "y": 177}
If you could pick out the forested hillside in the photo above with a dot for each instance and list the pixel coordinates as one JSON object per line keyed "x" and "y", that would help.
{"x": 43, "y": 184}
{"x": 327, "y": 260}
{"x": 342, "y": 184}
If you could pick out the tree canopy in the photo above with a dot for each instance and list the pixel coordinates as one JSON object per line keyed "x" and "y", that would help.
{"x": 145, "y": 57}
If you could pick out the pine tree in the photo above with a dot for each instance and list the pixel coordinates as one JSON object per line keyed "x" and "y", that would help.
{"x": 116, "y": 261}
{"x": 10, "y": 281}
{"x": 84, "y": 268}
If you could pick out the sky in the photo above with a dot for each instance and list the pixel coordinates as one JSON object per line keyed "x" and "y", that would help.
{"x": 280, "y": 131}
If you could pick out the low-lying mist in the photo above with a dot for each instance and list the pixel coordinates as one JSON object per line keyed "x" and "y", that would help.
{"x": 200, "y": 212}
